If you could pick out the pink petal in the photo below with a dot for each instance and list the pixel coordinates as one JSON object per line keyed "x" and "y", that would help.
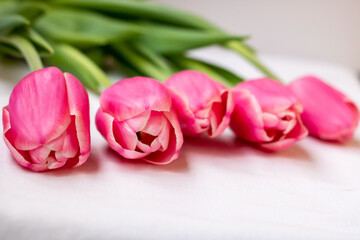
{"x": 328, "y": 113}
{"x": 271, "y": 95}
{"x": 164, "y": 135}
{"x": 53, "y": 163}
{"x": 174, "y": 144}
{"x": 39, "y": 155}
{"x": 203, "y": 105}
{"x": 104, "y": 123}
{"x": 154, "y": 124}
{"x": 79, "y": 107}
{"x": 297, "y": 133}
{"x": 187, "y": 118}
{"x": 278, "y": 145}
{"x": 71, "y": 144}
{"x": 130, "y": 97}
{"x": 221, "y": 114}
{"x": 247, "y": 118}
{"x": 124, "y": 135}
{"x": 39, "y": 108}
{"x": 198, "y": 88}
{"x": 270, "y": 120}
{"x": 138, "y": 122}
{"x": 57, "y": 143}
{"x": 22, "y": 157}
{"x": 143, "y": 147}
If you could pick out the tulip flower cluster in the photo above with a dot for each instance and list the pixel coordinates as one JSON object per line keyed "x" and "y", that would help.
{"x": 47, "y": 124}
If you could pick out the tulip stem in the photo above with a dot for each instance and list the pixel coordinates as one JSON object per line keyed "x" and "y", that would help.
{"x": 144, "y": 62}
{"x": 28, "y": 51}
{"x": 248, "y": 55}
{"x": 217, "y": 73}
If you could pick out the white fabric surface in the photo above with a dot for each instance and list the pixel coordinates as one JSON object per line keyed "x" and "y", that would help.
{"x": 217, "y": 189}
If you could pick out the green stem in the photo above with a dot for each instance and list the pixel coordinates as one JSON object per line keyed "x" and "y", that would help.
{"x": 243, "y": 51}
{"x": 140, "y": 63}
{"x": 28, "y": 51}
{"x": 217, "y": 73}
{"x": 71, "y": 59}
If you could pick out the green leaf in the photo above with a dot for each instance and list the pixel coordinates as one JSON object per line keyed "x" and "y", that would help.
{"x": 83, "y": 27}
{"x": 173, "y": 40}
{"x": 215, "y": 72}
{"x": 143, "y": 10}
{"x": 43, "y": 46}
{"x": 250, "y": 56}
{"x": 139, "y": 60}
{"x": 29, "y": 10}
{"x": 71, "y": 60}
{"x": 9, "y": 23}
{"x": 26, "y": 48}
{"x": 153, "y": 57}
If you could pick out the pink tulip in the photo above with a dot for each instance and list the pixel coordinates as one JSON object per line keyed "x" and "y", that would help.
{"x": 328, "y": 114}
{"x": 46, "y": 124}
{"x": 202, "y": 104}
{"x": 267, "y": 114}
{"x": 136, "y": 119}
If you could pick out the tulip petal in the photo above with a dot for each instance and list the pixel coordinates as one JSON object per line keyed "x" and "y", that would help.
{"x": 221, "y": 114}
{"x": 20, "y": 156}
{"x": 203, "y": 105}
{"x": 189, "y": 122}
{"x": 164, "y": 135}
{"x": 138, "y": 122}
{"x": 143, "y": 147}
{"x": 79, "y": 108}
{"x": 124, "y": 135}
{"x": 104, "y": 123}
{"x": 328, "y": 113}
{"x": 247, "y": 118}
{"x": 39, "y": 108}
{"x": 174, "y": 145}
{"x": 297, "y": 133}
{"x": 154, "y": 124}
{"x": 198, "y": 88}
{"x": 264, "y": 89}
{"x": 71, "y": 144}
{"x": 130, "y": 97}
{"x": 57, "y": 143}
{"x": 39, "y": 155}
{"x": 270, "y": 120}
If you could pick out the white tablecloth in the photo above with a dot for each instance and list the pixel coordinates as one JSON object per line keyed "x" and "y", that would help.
{"x": 217, "y": 189}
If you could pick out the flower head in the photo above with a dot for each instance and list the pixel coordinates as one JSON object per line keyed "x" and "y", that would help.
{"x": 267, "y": 114}
{"x": 202, "y": 104}
{"x": 328, "y": 114}
{"x": 46, "y": 124}
{"x": 137, "y": 120}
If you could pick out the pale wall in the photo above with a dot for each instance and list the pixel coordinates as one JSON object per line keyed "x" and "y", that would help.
{"x": 327, "y": 30}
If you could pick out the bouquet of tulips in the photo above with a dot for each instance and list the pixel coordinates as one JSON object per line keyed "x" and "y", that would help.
{"x": 168, "y": 95}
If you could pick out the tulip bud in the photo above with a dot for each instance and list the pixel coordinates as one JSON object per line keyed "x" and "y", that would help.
{"x": 267, "y": 114}
{"x": 328, "y": 114}
{"x": 137, "y": 120}
{"x": 46, "y": 124}
{"x": 202, "y": 104}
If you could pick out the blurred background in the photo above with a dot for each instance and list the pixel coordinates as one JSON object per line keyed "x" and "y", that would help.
{"x": 324, "y": 30}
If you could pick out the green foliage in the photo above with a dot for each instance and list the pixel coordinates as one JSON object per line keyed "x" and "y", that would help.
{"x": 72, "y": 60}
{"x": 83, "y": 28}
{"x": 142, "y": 10}
{"x": 144, "y": 38}
{"x": 169, "y": 39}
{"x": 215, "y": 72}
